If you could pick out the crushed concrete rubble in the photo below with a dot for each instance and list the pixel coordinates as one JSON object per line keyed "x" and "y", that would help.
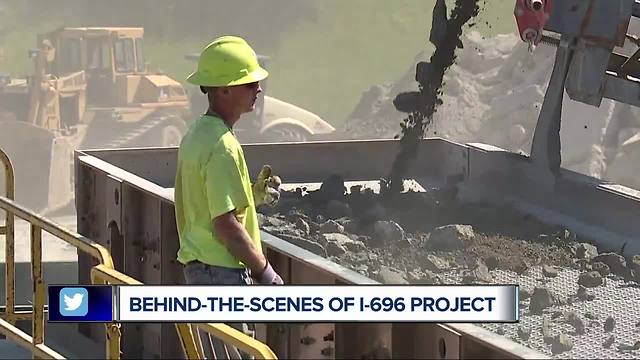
{"x": 609, "y": 324}
{"x": 454, "y": 239}
{"x": 541, "y": 299}
{"x": 422, "y": 236}
{"x": 610, "y": 340}
{"x": 576, "y": 321}
{"x": 429, "y": 238}
{"x": 524, "y": 332}
{"x": 590, "y": 279}
{"x": 561, "y": 343}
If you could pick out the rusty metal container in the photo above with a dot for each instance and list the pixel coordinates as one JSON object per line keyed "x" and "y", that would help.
{"x": 124, "y": 201}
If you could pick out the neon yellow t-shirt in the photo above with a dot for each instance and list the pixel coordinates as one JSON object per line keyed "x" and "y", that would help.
{"x": 211, "y": 179}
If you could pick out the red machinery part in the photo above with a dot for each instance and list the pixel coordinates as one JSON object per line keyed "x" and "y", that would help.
{"x": 531, "y": 16}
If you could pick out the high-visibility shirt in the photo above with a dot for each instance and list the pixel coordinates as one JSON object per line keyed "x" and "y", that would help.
{"x": 211, "y": 179}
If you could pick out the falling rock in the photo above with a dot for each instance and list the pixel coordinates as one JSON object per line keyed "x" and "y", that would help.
{"x": 586, "y": 251}
{"x": 540, "y": 300}
{"x": 610, "y": 340}
{"x": 435, "y": 263}
{"x": 590, "y": 279}
{"x": 450, "y": 237}
{"x": 561, "y": 344}
{"x": 439, "y": 24}
{"x": 549, "y": 271}
{"x": 601, "y": 268}
{"x": 616, "y": 262}
{"x": 390, "y": 276}
{"x": 388, "y": 231}
{"x": 331, "y": 227}
{"x": 609, "y": 324}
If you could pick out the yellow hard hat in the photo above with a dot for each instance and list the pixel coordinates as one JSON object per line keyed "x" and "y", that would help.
{"x": 227, "y": 61}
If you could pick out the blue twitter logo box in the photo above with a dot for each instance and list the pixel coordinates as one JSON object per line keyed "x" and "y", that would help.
{"x": 80, "y": 303}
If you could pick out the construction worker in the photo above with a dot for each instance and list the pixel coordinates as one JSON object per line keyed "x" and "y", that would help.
{"x": 215, "y": 201}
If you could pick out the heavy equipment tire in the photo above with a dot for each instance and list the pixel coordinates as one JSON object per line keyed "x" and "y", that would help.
{"x": 286, "y": 133}
{"x": 172, "y": 135}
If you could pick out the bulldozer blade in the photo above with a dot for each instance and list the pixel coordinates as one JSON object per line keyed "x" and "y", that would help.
{"x": 42, "y": 163}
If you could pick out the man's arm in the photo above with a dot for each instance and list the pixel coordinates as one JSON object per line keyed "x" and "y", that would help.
{"x": 239, "y": 243}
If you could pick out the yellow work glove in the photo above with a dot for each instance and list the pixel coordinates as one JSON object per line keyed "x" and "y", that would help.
{"x": 266, "y": 189}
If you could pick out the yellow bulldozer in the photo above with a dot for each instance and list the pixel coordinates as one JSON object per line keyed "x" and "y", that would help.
{"x": 91, "y": 89}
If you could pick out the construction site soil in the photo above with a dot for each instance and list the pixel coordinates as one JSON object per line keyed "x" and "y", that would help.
{"x": 568, "y": 289}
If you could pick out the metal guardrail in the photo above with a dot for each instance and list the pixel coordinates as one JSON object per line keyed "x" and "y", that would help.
{"x": 191, "y": 346}
{"x": 8, "y": 230}
{"x": 103, "y": 273}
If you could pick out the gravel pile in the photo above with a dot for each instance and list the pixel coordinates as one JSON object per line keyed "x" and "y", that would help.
{"x": 493, "y": 94}
{"x": 429, "y": 238}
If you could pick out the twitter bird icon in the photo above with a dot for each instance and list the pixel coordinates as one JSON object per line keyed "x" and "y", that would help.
{"x": 74, "y": 301}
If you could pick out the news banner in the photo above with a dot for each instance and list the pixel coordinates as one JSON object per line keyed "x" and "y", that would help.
{"x": 287, "y": 303}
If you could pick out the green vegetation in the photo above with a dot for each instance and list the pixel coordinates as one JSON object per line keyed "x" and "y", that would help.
{"x": 322, "y": 61}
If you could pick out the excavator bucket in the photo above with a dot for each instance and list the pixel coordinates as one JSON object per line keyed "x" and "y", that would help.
{"x": 41, "y": 163}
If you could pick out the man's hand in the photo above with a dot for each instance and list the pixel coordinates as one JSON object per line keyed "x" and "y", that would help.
{"x": 269, "y": 276}
{"x": 266, "y": 189}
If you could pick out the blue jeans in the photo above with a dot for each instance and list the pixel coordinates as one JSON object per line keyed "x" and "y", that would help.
{"x": 197, "y": 273}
